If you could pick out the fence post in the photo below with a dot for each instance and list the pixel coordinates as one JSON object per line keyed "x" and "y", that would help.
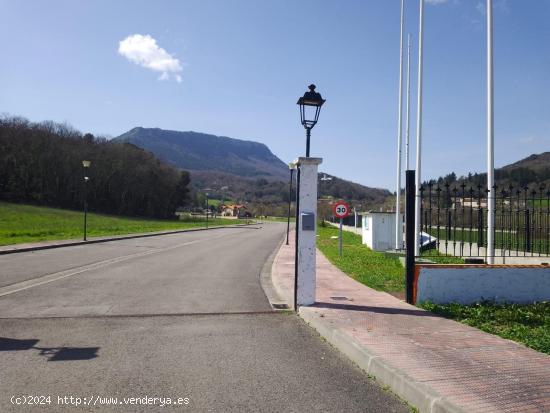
{"x": 409, "y": 233}
{"x": 527, "y": 230}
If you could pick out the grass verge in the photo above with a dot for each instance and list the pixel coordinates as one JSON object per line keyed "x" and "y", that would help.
{"x": 369, "y": 267}
{"x": 25, "y": 223}
{"x": 276, "y": 219}
{"x": 372, "y": 268}
{"x": 527, "y": 324}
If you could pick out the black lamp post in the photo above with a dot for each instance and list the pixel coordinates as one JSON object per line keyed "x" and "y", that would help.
{"x": 207, "y": 210}
{"x": 207, "y": 206}
{"x": 291, "y": 166}
{"x": 310, "y": 107}
{"x": 86, "y": 165}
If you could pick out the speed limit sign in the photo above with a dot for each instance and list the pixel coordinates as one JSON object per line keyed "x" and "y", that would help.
{"x": 340, "y": 209}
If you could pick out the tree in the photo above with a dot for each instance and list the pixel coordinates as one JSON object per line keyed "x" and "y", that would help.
{"x": 41, "y": 163}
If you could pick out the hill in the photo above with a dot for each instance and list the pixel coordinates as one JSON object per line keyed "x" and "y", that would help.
{"x": 247, "y": 171}
{"x": 264, "y": 191}
{"x": 537, "y": 163}
{"x": 532, "y": 172}
{"x": 196, "y": 151}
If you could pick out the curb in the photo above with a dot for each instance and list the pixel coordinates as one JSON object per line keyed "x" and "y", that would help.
{"x": 116, "y": 238}
{"x": 281, "y": 293}
{"x": 416, "y": 393}
{"x": 266, "y": 281}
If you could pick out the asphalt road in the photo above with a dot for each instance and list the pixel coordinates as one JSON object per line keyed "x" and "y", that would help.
{"x": 176, "y": 316}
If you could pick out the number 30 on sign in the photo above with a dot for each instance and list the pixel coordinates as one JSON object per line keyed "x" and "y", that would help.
{"x": 340, "y": 209}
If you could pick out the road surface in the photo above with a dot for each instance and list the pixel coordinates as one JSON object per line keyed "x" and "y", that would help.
{"x": 182, "y": 316}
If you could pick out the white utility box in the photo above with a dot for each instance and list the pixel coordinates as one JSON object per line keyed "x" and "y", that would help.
{"x": 379, "y": 230}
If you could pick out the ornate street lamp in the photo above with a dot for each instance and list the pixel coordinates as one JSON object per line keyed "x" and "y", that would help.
{"x": 310, "y": 107}
{"x": 86, "y": 165}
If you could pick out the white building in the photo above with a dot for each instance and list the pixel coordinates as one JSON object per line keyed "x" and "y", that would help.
{"x": 379, "y": 231}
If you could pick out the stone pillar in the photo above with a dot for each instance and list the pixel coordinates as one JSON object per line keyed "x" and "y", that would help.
{"x": 307, "y": 229}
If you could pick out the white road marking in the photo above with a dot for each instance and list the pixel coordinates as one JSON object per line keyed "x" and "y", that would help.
{"x": 45, "y": 279}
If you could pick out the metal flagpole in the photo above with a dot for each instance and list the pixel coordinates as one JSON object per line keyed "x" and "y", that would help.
{"x": 490, "y": 139}
{"x": 408, "y": 121}
{"x": 419, "y": 134}
{"x": 398, "y": 223}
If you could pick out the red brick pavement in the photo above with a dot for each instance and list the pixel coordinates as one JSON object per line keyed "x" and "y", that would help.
{"x": 461, "y": 366}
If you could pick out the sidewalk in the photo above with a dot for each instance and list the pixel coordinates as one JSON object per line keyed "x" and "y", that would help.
{"x": 436, "y": 364}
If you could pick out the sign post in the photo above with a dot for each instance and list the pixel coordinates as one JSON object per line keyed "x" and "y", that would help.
{"x": 340, "y": 210}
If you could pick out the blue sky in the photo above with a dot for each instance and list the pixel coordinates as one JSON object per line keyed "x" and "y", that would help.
{"x": 236, "y": 68}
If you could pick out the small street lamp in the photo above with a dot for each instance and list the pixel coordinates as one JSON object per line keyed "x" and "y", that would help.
{"x": 291, "y": 166}
{"x": 207, "y": 206}
{"x": 86, "y": 165}
{"x": 310, "y": 107}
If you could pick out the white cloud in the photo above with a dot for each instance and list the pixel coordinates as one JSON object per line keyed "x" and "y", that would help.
{"x": 144, "y": 51}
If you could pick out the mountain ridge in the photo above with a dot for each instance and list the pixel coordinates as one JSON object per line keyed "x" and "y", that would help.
{"x": 197, "y": 151}
{"x": 249, "y": 169}
{"x": 532, "y": 171}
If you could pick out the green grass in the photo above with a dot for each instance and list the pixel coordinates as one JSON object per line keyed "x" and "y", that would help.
{"x": 507, "y": 241}
{"x": 276, "y": 219}
{"x": 439, "y": 258}
{"x": 369, "y": 267}
{"x": 25, "y": 223}
{"x": 527, "y": 324}
{"x": 539, "y": 203}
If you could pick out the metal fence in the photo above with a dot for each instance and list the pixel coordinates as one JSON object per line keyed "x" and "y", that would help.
{"x": 454, "y": 220}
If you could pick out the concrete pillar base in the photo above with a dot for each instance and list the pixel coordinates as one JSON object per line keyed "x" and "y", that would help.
{"x": 307, "y": 236}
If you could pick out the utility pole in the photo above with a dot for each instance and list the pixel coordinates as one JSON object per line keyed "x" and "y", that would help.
{"x": 408, "y": 121}
{"x": 398, "y": 224}
{"x": 419, "y": 134}
{"x": 490, "y": 140}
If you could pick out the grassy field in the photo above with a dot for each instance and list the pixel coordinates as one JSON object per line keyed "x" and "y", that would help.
{"x": 372, "y": 268}
{"x": 369, "y": 267}
{"x": 527, "y": 324}
{"x": 25, "y": 223}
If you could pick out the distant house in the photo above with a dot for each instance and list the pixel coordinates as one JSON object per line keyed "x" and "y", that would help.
{"x": 237, "y": 211}
{"x": 470, "y": 203}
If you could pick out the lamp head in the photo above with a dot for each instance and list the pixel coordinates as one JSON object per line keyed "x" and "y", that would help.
{"x": 310, "y": 107}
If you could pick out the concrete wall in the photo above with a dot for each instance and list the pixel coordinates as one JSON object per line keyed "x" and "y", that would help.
{"x": 468, "y": 284}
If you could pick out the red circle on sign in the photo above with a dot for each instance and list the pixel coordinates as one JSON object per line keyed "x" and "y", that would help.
{"x": 340, "y": 209}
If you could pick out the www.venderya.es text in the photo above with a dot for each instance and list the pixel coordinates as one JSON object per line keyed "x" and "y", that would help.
{"x": 97, "y": 400}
